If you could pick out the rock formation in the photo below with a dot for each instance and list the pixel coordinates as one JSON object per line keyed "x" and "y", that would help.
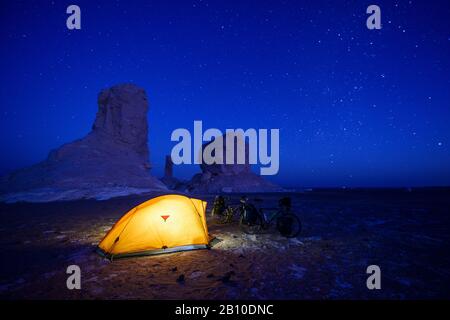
{"x": 168, "y": 179}
{"x": 219, "y": 178}
{"x": 113, "y": 155}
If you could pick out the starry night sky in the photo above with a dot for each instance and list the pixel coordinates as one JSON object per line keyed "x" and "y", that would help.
{"x": 355, "y": 107}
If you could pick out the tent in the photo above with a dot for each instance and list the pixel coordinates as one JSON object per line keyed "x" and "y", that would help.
{"x": 163, "y": 224}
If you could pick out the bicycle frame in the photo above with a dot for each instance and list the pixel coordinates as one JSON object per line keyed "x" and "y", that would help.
{"x": 266, "y": 219}
{"x": 273, "y": 215}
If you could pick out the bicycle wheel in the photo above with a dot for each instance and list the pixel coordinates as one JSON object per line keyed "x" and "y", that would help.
{"x": 289, "y": 225}
{"x": 250, "y": 226}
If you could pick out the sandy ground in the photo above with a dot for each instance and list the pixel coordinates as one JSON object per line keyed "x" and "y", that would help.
{"x": 405, "y": 233}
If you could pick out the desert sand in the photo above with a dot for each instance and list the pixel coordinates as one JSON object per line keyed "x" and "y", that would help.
{"x": 405, "y": 233}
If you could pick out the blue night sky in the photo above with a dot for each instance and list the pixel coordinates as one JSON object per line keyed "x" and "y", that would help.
{"x": 354, "y": 107}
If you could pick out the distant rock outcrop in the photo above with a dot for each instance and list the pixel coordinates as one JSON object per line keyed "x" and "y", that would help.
{"x": 168, "y": 179}
{"x": 113, "y": 156}
{"x": 219, "y": 178}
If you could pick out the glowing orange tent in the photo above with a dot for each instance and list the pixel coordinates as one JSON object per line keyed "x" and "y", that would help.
{"x": 163, "y": 224}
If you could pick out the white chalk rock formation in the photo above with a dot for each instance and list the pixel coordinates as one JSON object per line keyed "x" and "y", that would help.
{"x": 225, "y": 178}
{"x": 113, "y": 156}
{"x": 168, "y": 179}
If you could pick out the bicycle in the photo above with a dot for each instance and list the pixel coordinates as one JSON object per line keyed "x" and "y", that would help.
{"x": 253, "y": 220}
{"x": 221, "y": 212}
